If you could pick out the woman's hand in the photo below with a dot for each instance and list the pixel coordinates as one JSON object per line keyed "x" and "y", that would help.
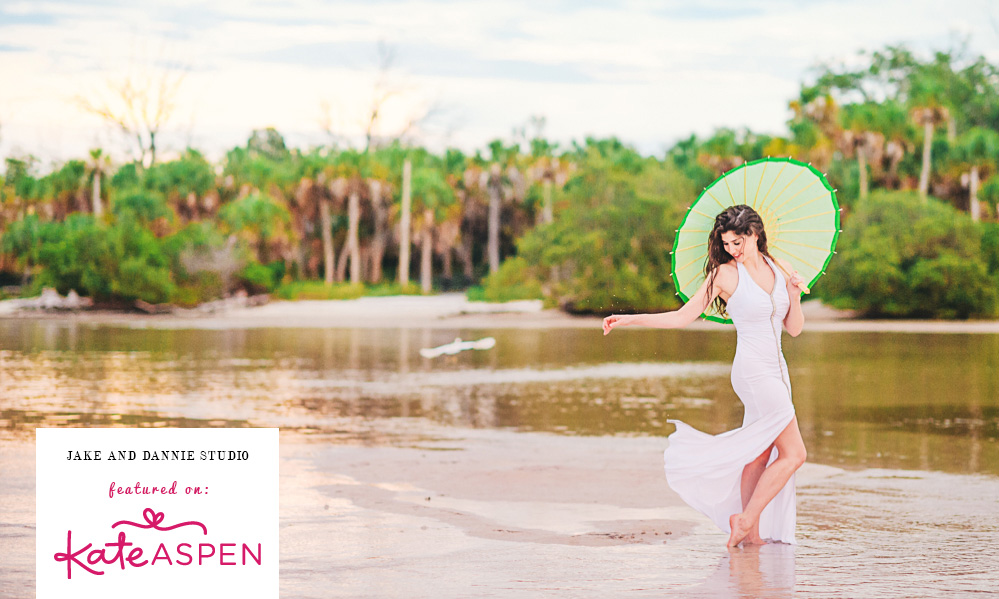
{"x": 616, "y": 320}
{"x": 792, "y": 284}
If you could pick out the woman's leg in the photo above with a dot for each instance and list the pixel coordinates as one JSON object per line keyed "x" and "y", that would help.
{"x": 750, "y": 477}
{"x": 751, "y": 474}
{"x": 790, "y": 456}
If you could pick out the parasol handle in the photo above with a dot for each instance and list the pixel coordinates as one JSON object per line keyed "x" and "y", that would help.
{"x": 788, "y": 275}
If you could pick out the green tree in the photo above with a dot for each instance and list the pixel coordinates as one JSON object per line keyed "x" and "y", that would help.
{"x": 187, "y": 184}
{"x": 262, "y": 222}
{"x": 22, "y": 239}
{"x": 120, "y": 262}
{"x": 861, "y": 139}
{"x": 433, "y": 200}
{"x": 898, "y": 258}
{"x": 977, "y": 152}
{"x": 147, "y": 208}
{"x": 927, "y": 100}
{"x": 609, "y": 249}
{"x": 97, "y": 166}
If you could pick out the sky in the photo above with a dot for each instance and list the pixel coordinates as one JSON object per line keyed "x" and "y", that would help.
{"x": 649, "y": 72}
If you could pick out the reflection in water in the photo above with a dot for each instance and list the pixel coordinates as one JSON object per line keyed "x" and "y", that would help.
{"x": 886, "y": 400}
{"x": 751, "y": 572}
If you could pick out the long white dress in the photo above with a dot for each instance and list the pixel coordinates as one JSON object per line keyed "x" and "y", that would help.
{"x": 706, "y": 470}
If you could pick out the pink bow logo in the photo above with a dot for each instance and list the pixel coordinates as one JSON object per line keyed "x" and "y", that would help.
{"x": 154, "y": 519}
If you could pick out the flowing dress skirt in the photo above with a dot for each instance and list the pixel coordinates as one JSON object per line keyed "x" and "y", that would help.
{"x": 706, "y": 470}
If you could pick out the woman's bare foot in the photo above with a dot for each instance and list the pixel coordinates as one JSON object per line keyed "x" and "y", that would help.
{"x": 741, "y": 529}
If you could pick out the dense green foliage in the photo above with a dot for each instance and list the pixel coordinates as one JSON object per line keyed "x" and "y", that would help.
{"x": 124, "y": 261}
{"x": 609, "y": 249}
{"x": 900, "y": 258}
{"x": 587, "y": 227}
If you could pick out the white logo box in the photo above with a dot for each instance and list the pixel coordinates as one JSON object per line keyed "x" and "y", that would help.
{"x": 198, "y": 506}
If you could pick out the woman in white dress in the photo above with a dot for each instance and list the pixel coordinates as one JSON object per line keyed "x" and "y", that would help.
{"x": 742, "y": 479}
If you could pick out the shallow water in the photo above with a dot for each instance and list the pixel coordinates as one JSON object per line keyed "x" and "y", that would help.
{"x": 913, "y": 418}
{"x": 912, "y": 401}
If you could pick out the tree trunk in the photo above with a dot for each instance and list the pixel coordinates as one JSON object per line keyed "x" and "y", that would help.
{"x": 548, "y": 216}
{"x": 95, "y": 198}
{"x": 895, "y": 156}
{"x": 404, "y": 243}
{"x": 951, "y": 129}
{"x": 924, "y": 175}
{"x": 426, "y": 253}
{"x": 975, "y": 209}
{"x": 327, "y": 224}
{"x": 494, "y": 217}
{"x": 301, "y": 266}
{"x": 263, "y": 249}
{"x": 862, "y": 164}
{"x": 465, "y": 255}
{"x": 380, "y": 238}
{"x": 341, "y": 262}
{"x": 365, "y": 259}
{"x": 447, "y": 265}
{"x": 354, "y": 218}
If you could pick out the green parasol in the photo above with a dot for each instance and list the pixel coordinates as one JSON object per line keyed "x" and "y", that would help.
{"x": 799, "y": 211}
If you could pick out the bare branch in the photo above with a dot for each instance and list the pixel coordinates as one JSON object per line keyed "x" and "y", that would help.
{"x": 387, "y": 87}
{"x": 138, "y": 105}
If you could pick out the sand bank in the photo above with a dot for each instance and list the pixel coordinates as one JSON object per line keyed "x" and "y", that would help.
{"x": 454, "y": 311}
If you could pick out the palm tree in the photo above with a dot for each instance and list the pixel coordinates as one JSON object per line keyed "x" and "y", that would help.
{"x": 405, "y": 216}
{"x": 860, "y": 139}
{"x": 351, "y": 183}
{"x": 312, "y": 201}
{"x": 544, "y": 168}
{"x": 493, "y": 182}
{"x": 377, "y": 172}
{"x": 190, "y": 177}
{"x": 263, "y": 221}
{"x": 99, "y": 164}
{"x": 309, "y": 203}
{"x": 496, "y": 181}
{"x": 893, "y": 122}
{"x": 326, "y": 229}
{"x": 433, "y": 198}
{"x": 448, "y": 237}
{"x": 978, "y": 150}
{"x": 451, "y": 232}
{"x": 929, "y": 117}
{"x": 926, "y": 98}
{"x": 815, "y": 126}
{"x": 475, "y": 213}
{"x": 720, "y": 152}
{"x": 353, "y": 226}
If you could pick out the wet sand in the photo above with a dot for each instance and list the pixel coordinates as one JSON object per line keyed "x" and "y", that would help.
{"x": 419, "y": 510}
{"x": 453, "y": 512}
{"x": 424, "y": 510}
{"x": 454, "y": 311}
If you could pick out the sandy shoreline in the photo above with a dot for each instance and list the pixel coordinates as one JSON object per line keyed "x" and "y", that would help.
{"x": 435, "y": 511}
{"x": 453, "y": 311}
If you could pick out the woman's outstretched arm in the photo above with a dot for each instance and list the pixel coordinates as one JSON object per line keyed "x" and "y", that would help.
{"x": 675, "y": 319}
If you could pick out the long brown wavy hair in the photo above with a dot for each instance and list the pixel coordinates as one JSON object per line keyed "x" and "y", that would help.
{"x": 741, "y": 220}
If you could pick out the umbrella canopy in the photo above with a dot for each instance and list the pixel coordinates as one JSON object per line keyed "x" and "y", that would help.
{"x": 799, "y": 211}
